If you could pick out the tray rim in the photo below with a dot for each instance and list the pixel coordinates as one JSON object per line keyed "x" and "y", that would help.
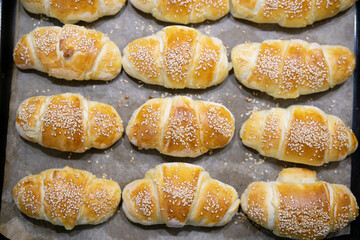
{"x": 7, "y": 28}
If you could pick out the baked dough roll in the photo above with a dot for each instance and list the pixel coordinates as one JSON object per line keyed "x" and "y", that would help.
{"x": 299, "y": 206}
{"x": 72, "y": 11}
{"x": 288, "y": 69}
{"x": 177, "y": 57}
{"x": 71, "y": 52}
{"x": 288, "y": 13}
{"x": 68, "y": 122}
{"x": 300, "y": 134}
{"x": 179, "y": 11}
{"x": 67, "y": 197}
{"x": 180, "y": 126}
{"x": 178, "y": 194}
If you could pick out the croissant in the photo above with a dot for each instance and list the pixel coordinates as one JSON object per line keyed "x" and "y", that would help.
{"x": 177, "y": 57}
{"x": 288, "y": 13}
{"x": 178, "y": 11}
{"x": 298, "y": 206}
{"x": 287, "y": 69}
{"x": 180, "y": 126}
{"x": 177, "y": 194}
{"x": 68, "y": 122}
{"x": 67, "y": 197}
{"x": 70, "y": 52}
{"x": 72, "y": 11}
{"x": 300, "y": 134}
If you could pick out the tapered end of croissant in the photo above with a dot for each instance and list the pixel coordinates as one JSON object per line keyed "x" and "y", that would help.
{"x": 341, "y": 61}
{"x": 24, "y": 55}
{"x": 28, "y": 197}
{"x": 105, "y": 125}
{"x": 108, "y": 63}
{"x": 256, "y": 204}
{"x": 28, "y": 118}
{"x": 215, "y": 205}
{"x": 101, "y": 201}
{"x": 140, "y": 202}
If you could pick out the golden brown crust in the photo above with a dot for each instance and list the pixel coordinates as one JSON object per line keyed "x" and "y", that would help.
{"x": 178, "y": 194}
{"x": 28, "y": 116}
{"x": 217, "y": 124}
{"x": 145, "y": 130}
{"x": 143, "y": 56}
{"x": 346, "y": 208}
{"x": 300, "y": 134}
{"x": 214, "y": 200}
{"x": 70, "y": 11}
{"x": 303, "y": 207}
{"x": 141, "y": 202}
{"x": 63, "y": 126}
{"x": 179, "y": 46}
{"x": 307, "y": 139}
{"x": 68, "y": 122}
{"x": 288, "y": 69}
{"x": 177, "y": 57}
{"x": 304, "y": 210}
{"x": 181, "y": 132}
{"x": 67, "y": 197}
{"x": 180, "y": 126}
{"x": 71, "y": 52}
{"x": 192, "y": 11}
{"x": 288, "y": 13}
{"x": 105, "y": 125}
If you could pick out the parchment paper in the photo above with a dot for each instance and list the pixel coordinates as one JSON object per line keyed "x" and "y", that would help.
{"x": 234, "y": 164}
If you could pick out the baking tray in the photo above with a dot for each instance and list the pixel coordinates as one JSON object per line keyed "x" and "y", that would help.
{"x": 124, "y": 162}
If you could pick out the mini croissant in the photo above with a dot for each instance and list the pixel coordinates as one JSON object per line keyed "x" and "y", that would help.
{"x": 72, "y": 11}
{"x": 300, "y": 134}
{"x": 288, "y": 69}
{"x": 188, "y": 11}
{"x": 68, "y": 122}
{"x": 180, "y": 126}
{"x": 299, "y": 206}
{"x": 71, "y": 52}
{"x": 288, "y": 13}
{"x": 177, "y": 194}
{"x": 177, "y": 57}
{"x": 67, "y": 197}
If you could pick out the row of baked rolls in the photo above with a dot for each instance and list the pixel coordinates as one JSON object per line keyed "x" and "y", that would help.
{"x": 68, "y": 122}
{"x": 69, "y": 11}
{"x": 287, "y": 69}
{"x": 67, "y": 197}
{"x": 182, "y": 57}
{"x": 180, "y": 126}
{"x": 177, "y": 57}
{"x": 178, "y": 194}
{"x": 300, "y": 134}
{"x": 70, "y": 52}
{"x": 298, "y": 206}
{"x": 288, "y": 13}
